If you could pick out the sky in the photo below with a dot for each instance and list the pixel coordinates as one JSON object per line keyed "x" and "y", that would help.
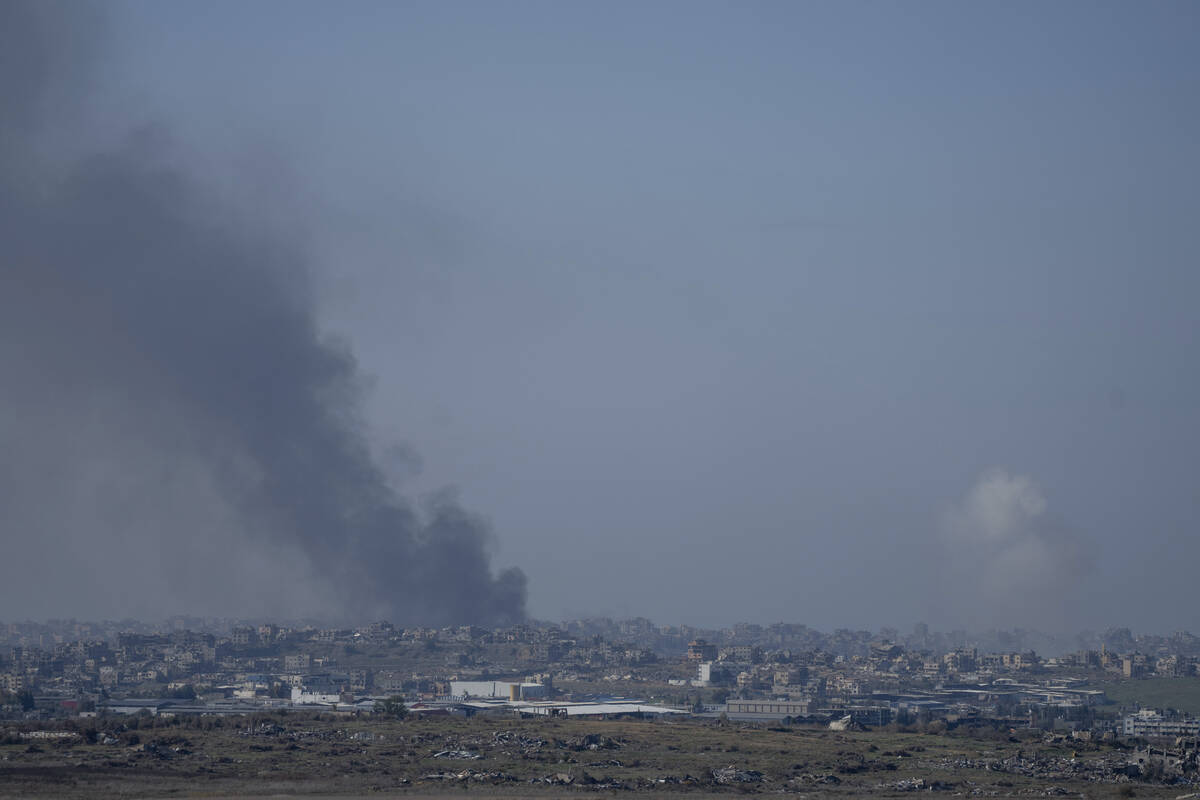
{"x": 850, "y": 314}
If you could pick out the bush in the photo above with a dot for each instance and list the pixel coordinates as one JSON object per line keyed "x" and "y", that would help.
{"x": 392, "y": 707}
{"x": 935, "y": 728}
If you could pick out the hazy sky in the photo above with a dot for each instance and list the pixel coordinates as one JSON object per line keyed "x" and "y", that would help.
{"x": 842, "y": 313}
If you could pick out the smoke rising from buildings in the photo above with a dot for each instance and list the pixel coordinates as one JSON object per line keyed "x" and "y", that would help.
{"x": 1019, "y": 556}
{"x": 682, "y": 310}
{"x": 173, "y": 418}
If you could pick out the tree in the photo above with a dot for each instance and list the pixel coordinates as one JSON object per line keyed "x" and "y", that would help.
{"x": 25, "y": 698}
{"x": 392, "y": 707}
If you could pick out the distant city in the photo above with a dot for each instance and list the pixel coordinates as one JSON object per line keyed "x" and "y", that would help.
{"x": 597, "y": 667}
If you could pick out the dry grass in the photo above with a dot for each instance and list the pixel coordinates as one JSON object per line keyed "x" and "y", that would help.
{"x": 302, "y": 755}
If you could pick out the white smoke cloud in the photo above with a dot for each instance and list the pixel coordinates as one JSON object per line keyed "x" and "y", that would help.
{"x": 1014, "y": 563}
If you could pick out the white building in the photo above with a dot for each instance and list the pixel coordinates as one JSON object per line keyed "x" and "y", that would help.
{"x": 302, "y": 697}
{"x": 502, "y": 690}
{"x": 320, "y": 689}
{"x": 710, "y": 673}
{"x": 1151, "y": 723}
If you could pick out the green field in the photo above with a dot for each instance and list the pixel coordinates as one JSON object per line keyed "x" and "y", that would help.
{"x": 1178, "y": 693}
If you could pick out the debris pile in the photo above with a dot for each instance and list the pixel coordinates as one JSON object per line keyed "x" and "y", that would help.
{"x": 513, "y": 743}
{"x": 731, "y": 775}
{"x": 460, "y": 754}
{"x": 492, "y": 776}
{"x": 592, "y": 741}
{"x": 809, "y": 778}
{"x": 686, "y": 780}
{"x": 271, "y": 729}
{"x": 916, "y": 785}
{"x": 1040, "y": 767}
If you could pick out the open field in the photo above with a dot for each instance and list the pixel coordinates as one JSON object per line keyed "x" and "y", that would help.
{"x": 344, "y": 756}
{"x": 1179, "y": 693}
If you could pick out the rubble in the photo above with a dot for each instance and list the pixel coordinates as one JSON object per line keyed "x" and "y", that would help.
{"x": 686, "y": 780}
{"x": 460, "y": 754}
{"x": 845, "y": 723}
{"x": 491, "y": 776}
{"x": 1181, "y": 762}
{"x": 1147, "y": 764}
{"x": 732, "y": 775}
{"x": 916, "y": 785}
{"x": 811, "y": 778}
{"x": 523, "y": 744}
{"x": 271, "y": 729}
{"x": 592, "y": 741}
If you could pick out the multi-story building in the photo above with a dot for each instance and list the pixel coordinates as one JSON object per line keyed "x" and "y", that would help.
{"x": 298, "y": 662}
{"x": 243, "y": 636}
{"x": 1134, "y": 666}
{"x": 742, "y": 653}
{"x": 1151, "y": 723}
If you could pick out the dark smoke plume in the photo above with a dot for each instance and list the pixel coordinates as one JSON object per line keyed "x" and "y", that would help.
{"x": 160, "y": 358}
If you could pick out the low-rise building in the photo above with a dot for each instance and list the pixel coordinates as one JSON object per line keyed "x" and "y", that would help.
{"x": 504, "y": 690}
{"x": 766, "y": 709}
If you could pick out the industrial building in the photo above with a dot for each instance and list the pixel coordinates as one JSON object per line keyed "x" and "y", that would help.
{"x": 501, "y": 690}
{"x": 766, "y": 709}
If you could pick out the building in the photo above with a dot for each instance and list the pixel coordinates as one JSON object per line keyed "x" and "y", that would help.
{"x": 875, "y": 715}
{"x": 1151, "y": 723}
{"x": 709, "y": 673}
{"x": 700, "y": 650}
{"x": 605, "y": 710}
{"x": 322, "y": 689}
{"x": 390, "y": 681}
{"x": 299, "y": 662}
{"x": 961, "y": 660}
{"x": 766, "y": 709}
{"x": 885, "y": 651}
{"x": 742, "y": 653}
{"x": 243, "y": 636}
{"x": 1134, "y": 666}
{"x": 791, "y": 676}
{"x": 503, "y": 690}
{"x": 1019, "y": 660}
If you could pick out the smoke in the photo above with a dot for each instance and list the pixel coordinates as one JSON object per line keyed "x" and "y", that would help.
{"x": 170, "y": 412}
{"x": 1012, "y": 561}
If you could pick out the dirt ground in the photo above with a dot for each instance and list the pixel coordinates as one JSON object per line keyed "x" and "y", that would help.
{"x": 294, "y": 755}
